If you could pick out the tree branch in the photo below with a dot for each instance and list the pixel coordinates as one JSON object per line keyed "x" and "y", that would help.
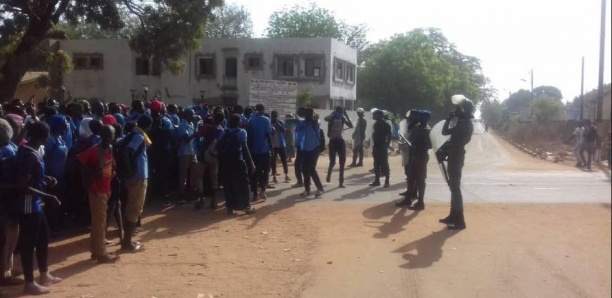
{"x": 134, "y": 9}
{"x": 60, "y": 11}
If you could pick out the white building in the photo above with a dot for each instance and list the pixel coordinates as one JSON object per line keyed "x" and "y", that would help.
{"x": 220, "y": 71}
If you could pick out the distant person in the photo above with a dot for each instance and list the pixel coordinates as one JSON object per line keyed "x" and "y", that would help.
{"x": 308, "y": 137}
{"x": 381, "y": 139}
{"x": 578, "y": 146}
{"x": 279, "y": 145}
{"x": 260, "y": 146}
{"x": 336, "y": 122}
{"x": 359, "y": 135}
{"x": 590, "y": 139}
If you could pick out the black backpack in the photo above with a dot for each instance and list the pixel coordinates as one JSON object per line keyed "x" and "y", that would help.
{"x": 229, "y": 147}
{"x": 590, "y": 134}
{"x": 120, "y": 146}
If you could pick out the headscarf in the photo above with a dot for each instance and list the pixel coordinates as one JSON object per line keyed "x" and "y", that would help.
{"x": 109, "y": 120}
{"x": 57, "y": 124}
{"x": 156, "y": 106}
{"x": 84, "y": 130}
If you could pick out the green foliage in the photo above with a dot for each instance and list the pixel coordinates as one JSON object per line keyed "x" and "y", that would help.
{"x": 546, "y": 109}
{"x": 419, "y": 69}
{"x": 491, "y": 112}
{"x": 304, "y": 98}
{"x": 550, "y": 91}
{"x": 518, "y": 101}
{"x": 313, "y": 21}
{"x": 166, "y": 29}
{"x": 230, "y": 21}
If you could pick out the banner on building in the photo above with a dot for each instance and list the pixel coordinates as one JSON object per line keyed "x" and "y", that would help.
{"x": 275, "y": 95}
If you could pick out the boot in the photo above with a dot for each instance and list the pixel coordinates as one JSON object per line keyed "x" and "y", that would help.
{"x": 119, "y": 219}
{"x": 341, "y": 178}
{"x": 376, "y": 182}
{"x": 387, "y": 184}
{"x": 126, "y": 243}
{"x": 329, "y": 172}
{"x": 418, "y": 206}
{"x": 459, "y": 222}
{"x": 403, "y": 203}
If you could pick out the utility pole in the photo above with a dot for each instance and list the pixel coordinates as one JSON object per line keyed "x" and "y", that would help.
{"x": 602, "y": 46}
{"x": 582, "y": 92}
{"x": 532, "y": 83}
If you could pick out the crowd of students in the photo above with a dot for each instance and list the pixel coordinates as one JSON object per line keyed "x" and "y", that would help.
{"x": 87, "y": 162}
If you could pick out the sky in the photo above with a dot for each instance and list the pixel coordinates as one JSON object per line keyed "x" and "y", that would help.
{"x": 509, "y": 37}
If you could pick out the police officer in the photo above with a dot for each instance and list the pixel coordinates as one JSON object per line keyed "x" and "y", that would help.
{"x": 419, "y": 144}
{"x": 358, "y": 138}
{"x": 381, "y": 138}
{"x": 454, "y": 151}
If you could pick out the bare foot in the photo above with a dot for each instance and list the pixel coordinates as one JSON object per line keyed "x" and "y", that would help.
{"x": 32, "y": 288}
{"x": 46, "y": 279}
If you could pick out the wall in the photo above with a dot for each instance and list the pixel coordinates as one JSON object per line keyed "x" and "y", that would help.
{"x": 114, "y": 81}
{"x": 26, "y": 90}
{"x": 342, "y": 90}
{"x": 117, "y": 78}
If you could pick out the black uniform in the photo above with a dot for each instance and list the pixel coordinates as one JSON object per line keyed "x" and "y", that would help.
{"x": 460, "y": 135}
{"x": 421, "y": 143}
{"x": 381, "y": 138}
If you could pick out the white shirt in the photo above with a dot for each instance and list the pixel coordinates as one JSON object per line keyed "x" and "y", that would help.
{"x": 578, "y": 133}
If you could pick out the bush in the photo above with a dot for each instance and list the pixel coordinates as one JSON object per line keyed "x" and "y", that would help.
{"x": 546, "y": 109}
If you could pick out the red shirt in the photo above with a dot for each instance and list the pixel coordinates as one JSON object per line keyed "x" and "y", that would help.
{"x": 91, "y": 159}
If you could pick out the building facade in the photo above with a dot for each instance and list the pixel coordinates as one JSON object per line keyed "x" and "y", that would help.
{"x": 219, "y": 72}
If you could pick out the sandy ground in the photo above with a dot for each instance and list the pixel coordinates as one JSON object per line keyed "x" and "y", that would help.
{"x": 290, "y": 249}
{"x": 294, "y": 248}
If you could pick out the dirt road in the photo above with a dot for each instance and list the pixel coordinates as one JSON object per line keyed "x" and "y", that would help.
{"x": 355, "y": 243}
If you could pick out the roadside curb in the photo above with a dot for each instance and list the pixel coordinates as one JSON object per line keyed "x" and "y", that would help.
{"x": 521, "y": 147}
{"x": 605, "y": 170}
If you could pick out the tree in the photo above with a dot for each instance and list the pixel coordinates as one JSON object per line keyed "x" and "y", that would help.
{"x": 230, "y": 21}
{"x": 546, "y": 109}
{"x": 518, "y": 101}
{"x": 93, "y": 30}
{"x": 419, "y": 69}
{"x": 167, "y": 29}
{"x": 313, "y": 21}
{"x": 550, "y": 91}
{"x": 491, "y": 112}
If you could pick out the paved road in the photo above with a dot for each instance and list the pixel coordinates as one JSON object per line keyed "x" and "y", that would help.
{"x": 495, "y": 172}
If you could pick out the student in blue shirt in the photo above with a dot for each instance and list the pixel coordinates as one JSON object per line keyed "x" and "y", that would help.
{"x": 186, "y": 151}
{"x": 31, "y": 181}
{"x": 56, "y": 154}
{"x": 279, "y": 146}
{"x": 136, "y": 182}
{"x": 308, "y": 137}
{"x": 260, "y": 145}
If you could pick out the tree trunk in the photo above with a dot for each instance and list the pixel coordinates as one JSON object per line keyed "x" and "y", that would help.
{"x": 19, "y": 62}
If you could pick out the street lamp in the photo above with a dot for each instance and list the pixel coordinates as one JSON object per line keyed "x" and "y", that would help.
{"x": 133, "y": 92}
{"x": 202, "y": 94}
{"x": 145, "y": 90}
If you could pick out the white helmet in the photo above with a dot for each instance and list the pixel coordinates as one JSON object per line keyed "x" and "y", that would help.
{"x": 457, "y": 99}
{"x": 360, "y": 110}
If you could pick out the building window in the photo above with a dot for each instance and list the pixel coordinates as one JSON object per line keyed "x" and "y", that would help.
{"x": 313, "y": 67}
{"x": 206, "y": 67}
{"x": 156, "y": 67}
{"x": 142, "y": 67}
{"x": 285, "y": 67}
{"x": 339, "y": 69}
{"x": 253, "y": 61}
{"x": 80, "y": 62}
{"x": 350, "y": 73}
{"x": 231, "y": 67}
{"x": 92, "y": 61}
